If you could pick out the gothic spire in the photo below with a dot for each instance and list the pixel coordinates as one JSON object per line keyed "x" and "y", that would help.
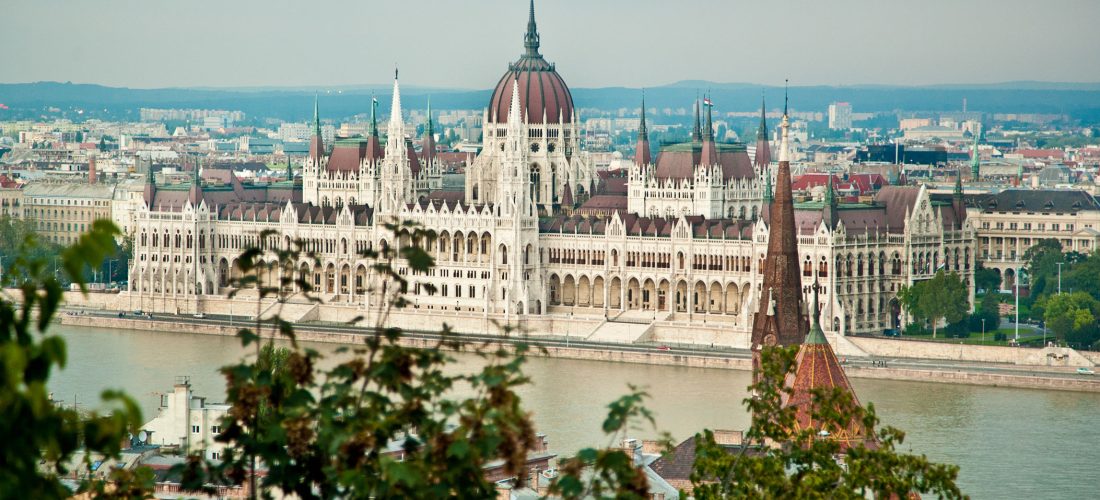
{"x": 642, "y": 155}
{"x": 786, "y": 86}
{"x": 762, "y": 130}
{"x": 780, "y": 320}
{"x": 710, "y": 123}
{"x": 373, "y": 116}
{"x": 829, "y": 206}
{"x": 696, "y": 132}
{"x": 429, "y": 129}
{"x": 427, "y": 149}
{"x": 316, "y": 117}
{"x": 763, "y": 156}
{"x": 531, "y": 38}
{"x": 396, "y": 122}
{"x": 316, "y": 143}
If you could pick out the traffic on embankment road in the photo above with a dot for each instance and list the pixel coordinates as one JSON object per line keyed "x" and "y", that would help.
{"x": 927, "y": 370}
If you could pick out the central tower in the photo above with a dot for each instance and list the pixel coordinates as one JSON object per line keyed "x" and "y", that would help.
{"x": 556, "y": 166}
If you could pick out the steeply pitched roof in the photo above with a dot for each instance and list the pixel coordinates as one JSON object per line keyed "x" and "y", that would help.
{"x": 817, "y": 368}
{"x": 679, "y": 161}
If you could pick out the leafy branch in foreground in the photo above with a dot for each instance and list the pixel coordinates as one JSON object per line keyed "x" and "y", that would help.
{"x": 41, "y": 440}
{"x": 779, "y": 460}
{"x": 386, "y": 420}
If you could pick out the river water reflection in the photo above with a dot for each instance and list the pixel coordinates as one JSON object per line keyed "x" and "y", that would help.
{"x": 1010, "y": 443}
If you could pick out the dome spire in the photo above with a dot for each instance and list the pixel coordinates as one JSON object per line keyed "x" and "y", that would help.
{"x": 531, "y": 38}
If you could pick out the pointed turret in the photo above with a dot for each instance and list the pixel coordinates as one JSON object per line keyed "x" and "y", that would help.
{"x": 709, "y": 153}
{"x": 395, "y": 132}
{"x": 427, "y": 149}
{"x": 374, "y": 147}
{"x": 780, "y": 320}
{"x": 763, "y": 155}
{"x": 316, "y": 143}
{"x": 829, "y": 213}
{"x": 531, "y": 37}
{"x": 696, "y": 131}
{"x": 818, "y": 369}
{"x": 642, "y": 154}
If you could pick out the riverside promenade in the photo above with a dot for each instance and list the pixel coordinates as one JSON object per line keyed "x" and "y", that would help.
{"x": 886, "y": 361}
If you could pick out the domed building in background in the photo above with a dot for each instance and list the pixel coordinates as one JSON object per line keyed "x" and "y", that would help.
{"x": 560, "y": 174}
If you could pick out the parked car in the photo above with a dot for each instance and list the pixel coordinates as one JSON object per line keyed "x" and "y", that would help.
{"x": 1086, "y": 371}
{"x": 664, "y": 348}
{"x": 198, "y": 316}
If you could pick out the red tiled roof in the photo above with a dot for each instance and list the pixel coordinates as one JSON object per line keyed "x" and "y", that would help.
{"x": 817, "y": 368}
{"x": 1041, "y": 153}
{"x": 681, "y": 164}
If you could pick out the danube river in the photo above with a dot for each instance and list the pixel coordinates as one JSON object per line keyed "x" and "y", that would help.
{"x": 1010, "y": 443}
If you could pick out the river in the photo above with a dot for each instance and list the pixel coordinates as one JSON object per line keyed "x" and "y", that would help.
{"x": 1009, "y": 443}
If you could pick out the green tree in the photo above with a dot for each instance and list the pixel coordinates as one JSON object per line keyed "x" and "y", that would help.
{"x": 988, "y": 310}
{"x": 40, "y": 438}
{"x": 986, "y": 279}
{"x": 942, "y": 297}
{"x": 1042, "y": 264}
{"x": 781, "y": 462}
{"x": 1072, "y": 317}
{"x": 1083, "y": 275}
{"x": 384, "y": 420}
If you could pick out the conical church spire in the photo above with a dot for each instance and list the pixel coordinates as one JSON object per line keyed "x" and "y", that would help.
{"x": 316, "y": 117}
{"x": 779, "y": 319}
{"x": 709, "y": 153}
{"x": 316, "y": 143}
{"x": 531, "y": 38}
{"x": 829, "y": 209}
{"x": 373, "y": 116}
{"x": 427, "y": 149}
{"x": 763, "y": 155}
{"x": 696, "y": 131}
{"x": 642, "y": 155}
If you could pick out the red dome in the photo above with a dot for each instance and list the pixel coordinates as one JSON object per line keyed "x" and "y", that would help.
{"x": 541, "y": 89}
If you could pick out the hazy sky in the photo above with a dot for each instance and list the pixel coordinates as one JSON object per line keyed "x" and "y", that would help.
{"x": 595, "y": 43}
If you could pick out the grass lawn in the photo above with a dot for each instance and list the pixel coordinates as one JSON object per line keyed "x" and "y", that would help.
{"x": 1026, "y": 337}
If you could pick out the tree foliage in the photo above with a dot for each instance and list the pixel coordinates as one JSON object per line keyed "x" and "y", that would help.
{"x": 781, "y": 461}
{"x": 1072, "y": 317}
{"x": 385, "y": 421}
{"x": 41, "y": 439}
{"x": 986, "y": 279}
{"x": 393, "y": 420}
{"x": 943, "y": 297}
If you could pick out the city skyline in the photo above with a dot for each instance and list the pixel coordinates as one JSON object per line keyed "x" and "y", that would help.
{"x": 604, "y": 44}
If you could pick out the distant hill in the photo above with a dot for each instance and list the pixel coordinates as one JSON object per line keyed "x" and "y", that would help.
{"x": 30, "y": 100}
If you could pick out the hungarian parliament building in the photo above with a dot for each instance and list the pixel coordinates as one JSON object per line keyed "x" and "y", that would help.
{"x": 538, "y": 231}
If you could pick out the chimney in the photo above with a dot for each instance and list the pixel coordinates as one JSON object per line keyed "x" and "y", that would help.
{"x": 91, "y": 170}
